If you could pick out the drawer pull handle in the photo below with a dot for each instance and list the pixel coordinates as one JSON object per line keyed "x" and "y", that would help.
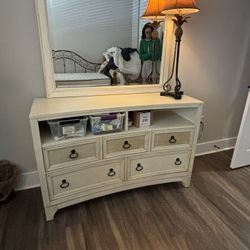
{"x": 126, "y": 145}
{"x": 172, "y": 139}
{"x": 139, "y": 167}
{"x": 64, "y": 184}
{"x": 178, "y": 162}
{"x": 111, "y": 172}
{"x": 73, "y": 154}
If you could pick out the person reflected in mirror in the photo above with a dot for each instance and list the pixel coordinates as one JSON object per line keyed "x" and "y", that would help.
{"x": 150, "y": 54}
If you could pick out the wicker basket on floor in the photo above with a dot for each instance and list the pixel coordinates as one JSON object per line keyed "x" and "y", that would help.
{"x": 9, "y": 176}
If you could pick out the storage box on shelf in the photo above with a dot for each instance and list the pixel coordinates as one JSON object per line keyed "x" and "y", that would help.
{"x": 81, "y": 168}
{"x": 107, "y": 123}
{"x": 66, "y": 128}
{"x": 142, "y": 119}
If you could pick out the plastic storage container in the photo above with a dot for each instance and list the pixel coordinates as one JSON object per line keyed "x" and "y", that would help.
{"x": 107, "y": 123}
{"x": 67, "y": 128}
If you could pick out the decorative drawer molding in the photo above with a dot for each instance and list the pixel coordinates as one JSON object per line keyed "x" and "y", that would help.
{"x": 83, "y": 178}
{"x": 157, "y": 164}
{"x": 74, "y": 153}
{"x": 122, "y": 145}
{"x": 167, "y": 139}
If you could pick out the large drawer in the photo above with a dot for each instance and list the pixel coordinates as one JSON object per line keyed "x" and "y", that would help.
{"x": 158, "y": 164}
{"x": 125, "y": 144}
{"x": 85, "y": 177}
{"x": 165, "y": 139}
{"x": 85, "y": 151}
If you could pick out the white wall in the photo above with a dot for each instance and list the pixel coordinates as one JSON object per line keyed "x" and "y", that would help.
{"x": 214, "y": 63}
{"x": 214, "y": 52}
{"x": 21, "y": 80}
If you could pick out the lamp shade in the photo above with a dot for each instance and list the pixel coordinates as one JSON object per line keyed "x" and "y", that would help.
{"x": 154, "y": 10}
{"x": 181, "y": 7}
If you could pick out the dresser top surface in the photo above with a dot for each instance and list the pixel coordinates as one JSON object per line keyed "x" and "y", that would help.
{"x": 43, "y": 108}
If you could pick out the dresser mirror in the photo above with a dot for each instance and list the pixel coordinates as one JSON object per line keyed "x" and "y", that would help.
{"x": 96, "y": 47}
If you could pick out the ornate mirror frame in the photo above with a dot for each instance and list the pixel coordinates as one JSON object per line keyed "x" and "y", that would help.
{"x": 48, "y": 67}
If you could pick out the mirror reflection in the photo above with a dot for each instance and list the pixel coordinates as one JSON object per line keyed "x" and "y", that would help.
{"x": 103, "y": 43}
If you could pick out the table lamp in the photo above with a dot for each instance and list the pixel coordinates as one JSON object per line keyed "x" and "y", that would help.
{"x": 181, "y": 9}
{"x": 154, "y": 13}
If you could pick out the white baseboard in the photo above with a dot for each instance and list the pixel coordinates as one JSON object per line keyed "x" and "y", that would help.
{"x": 28, "y": 180}
{"x": 31, "y": 179}
{"x": 215, "y": 146}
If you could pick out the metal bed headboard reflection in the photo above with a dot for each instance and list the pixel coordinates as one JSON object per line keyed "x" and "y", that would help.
{"x": 71, "y": 62}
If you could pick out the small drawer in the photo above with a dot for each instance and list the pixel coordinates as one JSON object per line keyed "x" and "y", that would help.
{"x": 164, "y": 139}
{"x": 158, "y": 164}
{"x": 126, "y": 144}
{"x": 86, "y": 178}
{"x": 84, "y": 151}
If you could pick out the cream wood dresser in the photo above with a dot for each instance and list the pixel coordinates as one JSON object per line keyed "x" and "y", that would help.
{"x": 161, "y": 153}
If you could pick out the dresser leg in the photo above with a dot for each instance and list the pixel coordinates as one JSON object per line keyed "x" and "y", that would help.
{"x": 186, "y": 183}
{"x": 50, "y": 212}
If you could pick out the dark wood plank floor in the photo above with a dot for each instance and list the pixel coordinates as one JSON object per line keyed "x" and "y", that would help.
{"x": 214, "y": 213}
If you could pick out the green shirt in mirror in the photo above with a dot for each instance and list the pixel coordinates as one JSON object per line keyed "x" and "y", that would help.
{"x": 150, "y": 49}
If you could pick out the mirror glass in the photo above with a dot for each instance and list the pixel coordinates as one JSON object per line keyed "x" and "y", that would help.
{"x": 103, "y": 43}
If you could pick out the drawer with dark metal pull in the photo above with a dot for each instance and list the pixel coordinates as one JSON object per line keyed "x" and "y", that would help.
{"x": 86, "y": 177}
{"x": 85, "y": 151}
{"x": 158, "y": 164}
{"x": 124, "y": 145}
{"x": 165, "y": 139}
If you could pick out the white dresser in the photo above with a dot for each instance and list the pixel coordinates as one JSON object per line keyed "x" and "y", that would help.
{"x": 78, "y": 169}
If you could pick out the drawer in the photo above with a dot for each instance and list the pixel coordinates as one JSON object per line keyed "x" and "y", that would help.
{"x": 85, "y": 178}
{"x": 84, "y": 151}
{"x": 165, "y": 139}
{"x": 158, "y": 164}
{"x": 125, "y": 144}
